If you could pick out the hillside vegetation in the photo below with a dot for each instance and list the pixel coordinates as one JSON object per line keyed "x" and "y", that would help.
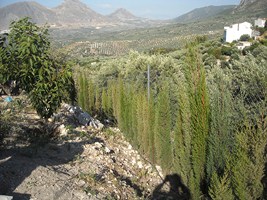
{"x": 203, "y": 116}
{"x": 199, "y": 112}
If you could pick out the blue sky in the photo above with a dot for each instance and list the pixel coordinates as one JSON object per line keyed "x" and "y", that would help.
{"x": 154, "y": 9}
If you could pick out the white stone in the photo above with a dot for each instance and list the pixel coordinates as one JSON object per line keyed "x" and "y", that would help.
{"x": 62, "y": 130}
{"x": 3, "y": 197}
{"x": 107, "y": 150}
{"x": 140, "y": 164}
{"x": 98, "y": 145}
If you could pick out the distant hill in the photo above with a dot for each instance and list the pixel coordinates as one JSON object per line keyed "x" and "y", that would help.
{"x": 203, "y": 13}
{"x": 70, "y": 14}
{"x": 74, "y": 12}
{"x": 37, "y": 12}
{"x": 122, "y": 14}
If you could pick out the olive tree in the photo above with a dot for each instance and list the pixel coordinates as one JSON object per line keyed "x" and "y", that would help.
{"x": 26, "y": 58}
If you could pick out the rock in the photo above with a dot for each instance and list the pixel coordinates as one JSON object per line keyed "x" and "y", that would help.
{"x": 159, "y": 170}
{"x": 84, "y": 118}
{"x": 98, "y": 145}
{"x": 62, "y": 130}
{"x": 139, "y": 164}
{"x": 107, "y": 150}
{"x": 81, "y": 183}
{"x": 96, "y": 124}
{"x": 3, "y": 197}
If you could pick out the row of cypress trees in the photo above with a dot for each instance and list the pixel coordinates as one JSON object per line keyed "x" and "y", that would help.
{"x": 188, "y": 130}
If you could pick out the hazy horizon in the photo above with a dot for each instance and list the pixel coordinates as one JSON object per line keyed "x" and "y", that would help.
{"x": 160, "y": 9}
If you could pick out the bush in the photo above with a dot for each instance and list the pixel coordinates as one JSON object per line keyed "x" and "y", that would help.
{"x": 244, "y": 37}
{"x": 227, "y": 51}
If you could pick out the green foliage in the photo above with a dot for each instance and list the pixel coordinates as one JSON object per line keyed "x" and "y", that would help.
{"x": 220, "y": 188}
{"x": 216, "y": 52}
{"x": 189, "y": 125}
{"x": 227, "y": 51}
{"x": 182, "y": 134}
{"x": 249, "y": 86}
{"x": 199, "y": 109}
{"x": 81, "y": 90}
{"x": 163, "y": 129}
{"x": 248, "y": 162}
{"x": 27, "y": 59}
{"x": 244, "y": 37}
{"x": 161, "y": 51}
{"x": 220, "y": 139}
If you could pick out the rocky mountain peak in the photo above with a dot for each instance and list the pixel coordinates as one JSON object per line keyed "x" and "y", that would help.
{"x": 76, "y": 12}
{"x": 246, "y": 2}
{"x": 251, "y": 6}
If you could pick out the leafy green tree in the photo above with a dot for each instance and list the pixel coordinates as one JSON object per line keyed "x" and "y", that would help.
{"x": 28, "y": 60}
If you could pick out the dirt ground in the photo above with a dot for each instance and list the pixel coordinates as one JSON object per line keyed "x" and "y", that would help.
{"x": 38, "y": 161}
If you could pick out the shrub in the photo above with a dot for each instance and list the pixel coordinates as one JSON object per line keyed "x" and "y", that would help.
{"x": 244, "y": 37}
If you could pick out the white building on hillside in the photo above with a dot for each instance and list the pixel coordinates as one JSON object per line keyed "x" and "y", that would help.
{"x": 235, "y": 31}
{"x": 260, "y": 22}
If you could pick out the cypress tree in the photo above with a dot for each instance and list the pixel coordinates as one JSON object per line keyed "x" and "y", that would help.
{"x": 97, "y": 100}
{"x": 152, "y": 150}
{"x": 86, "y": 95}
{"x": 140, "y": 121}
{"x": 109, "y": 99}
{"x": 247, "y": 164}
{"x": 134, "y": 122}
{"x": 163, "y": 130}
{"x": 119, "y": 99}
{"x": 146, "y": 123}
{"x": 221, "y": 138}
{"x": 126, "y": 109}
{"x": 182, "y": 135}
{"x": 220, "y": 188}
{"x": 104, "y": 101}
{"x": 81, "y": 91}
{"x": 91, "y": 96}
{"x": 114, "y": 99}
{"x": 199, "y": 109}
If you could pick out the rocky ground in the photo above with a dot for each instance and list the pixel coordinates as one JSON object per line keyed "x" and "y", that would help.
{"x": 61, "y": 159}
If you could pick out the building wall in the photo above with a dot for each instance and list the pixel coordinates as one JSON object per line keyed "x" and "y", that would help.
{"x": 260, "y": 22}
{"x": 235, "y": 31}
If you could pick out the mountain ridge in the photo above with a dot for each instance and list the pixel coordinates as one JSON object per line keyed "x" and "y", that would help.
{"x": 69, "y": 14}
{"x": 75, "y": 12}
{"x": 34, "y": 10}
{"x": 202, "y": 13}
